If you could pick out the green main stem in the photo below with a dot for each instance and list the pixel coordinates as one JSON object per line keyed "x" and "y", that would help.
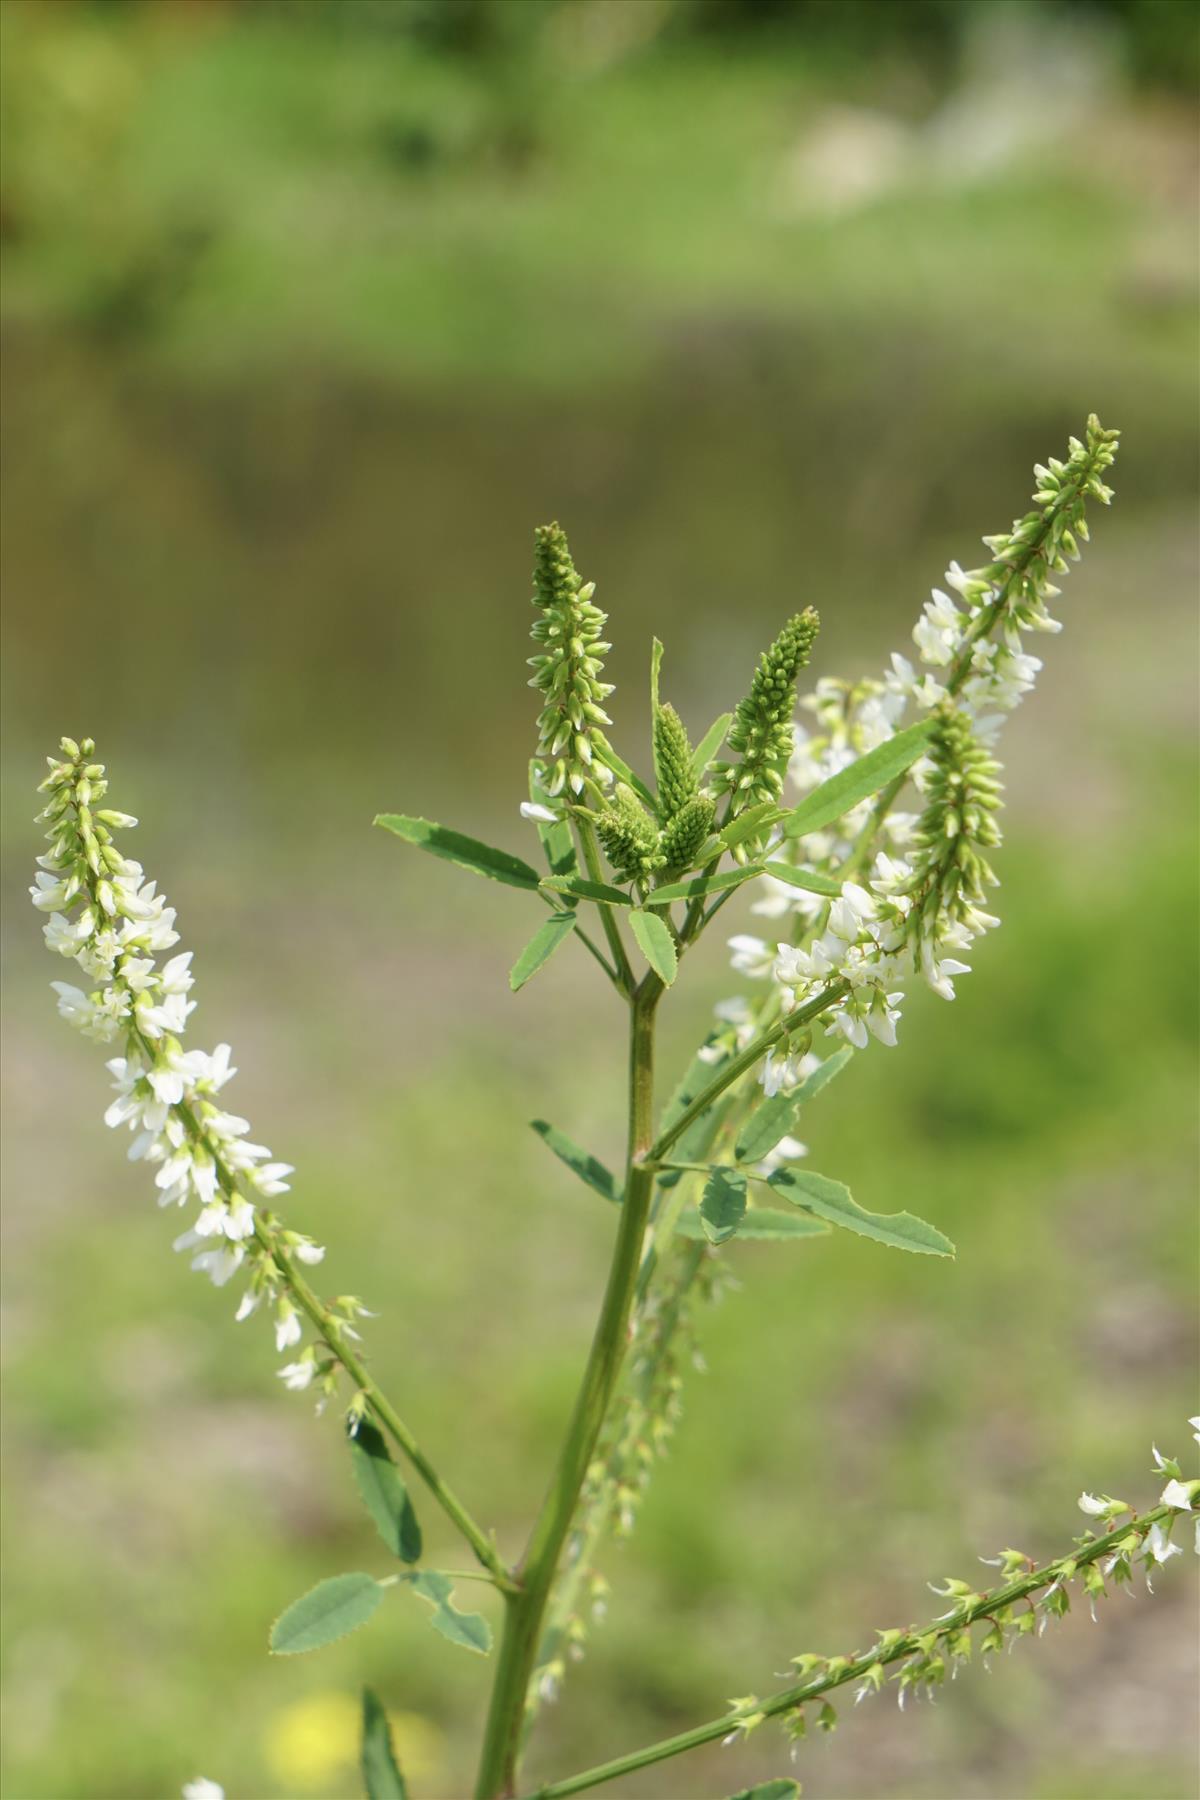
{"x": 525, "y": 1609}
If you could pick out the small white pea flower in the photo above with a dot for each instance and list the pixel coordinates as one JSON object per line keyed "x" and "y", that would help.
{"x": 1093, "y": 1505}
{"x": 202, "y": 1789}
{"x": 540, "y": 814}
{"x": 1158, "y": 1545}
{"x": 1179, "y": 1494}
{"x": 297, "y": 1375}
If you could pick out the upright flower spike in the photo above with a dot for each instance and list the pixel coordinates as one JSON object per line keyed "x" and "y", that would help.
{"x": 951, "y": 872}
{"x": 761, "y": 734}
{"x": 113, "y": 924}
{"x": 629, "y": 836}
{"x": 567, "y": 669}
{"x": 673, "y": 773}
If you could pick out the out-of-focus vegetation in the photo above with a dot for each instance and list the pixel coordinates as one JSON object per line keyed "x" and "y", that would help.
{"x": 309, "y": 314}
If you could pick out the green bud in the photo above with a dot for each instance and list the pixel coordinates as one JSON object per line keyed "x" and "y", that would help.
{"x": 629, "y": 836}
{"x": 761, "y": 733}
{"x": 673, "y": 773}
{"x": 687, "y": 831}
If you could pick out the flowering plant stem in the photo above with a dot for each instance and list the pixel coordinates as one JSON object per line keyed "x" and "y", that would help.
{"x": 525, "y": 1608}
{"x": 856, "y": 1668}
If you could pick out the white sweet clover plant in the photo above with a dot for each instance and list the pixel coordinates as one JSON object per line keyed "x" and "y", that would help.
{"x": 860, "y": 897}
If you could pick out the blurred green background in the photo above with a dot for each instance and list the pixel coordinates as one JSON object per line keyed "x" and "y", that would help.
{"x": 310, "y": 313}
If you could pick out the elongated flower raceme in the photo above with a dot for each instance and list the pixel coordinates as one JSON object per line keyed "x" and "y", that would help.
{"x": 567, "y": 669}
{"x": 114, "y": 925}
{"x": 912, "y": 884}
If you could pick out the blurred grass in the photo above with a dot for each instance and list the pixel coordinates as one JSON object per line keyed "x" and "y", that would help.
{"x": 303, "y": 333}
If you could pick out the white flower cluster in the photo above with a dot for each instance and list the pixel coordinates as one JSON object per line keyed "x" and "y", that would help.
{"x": 973, "y": 667}
{"x": 107, "y": 918}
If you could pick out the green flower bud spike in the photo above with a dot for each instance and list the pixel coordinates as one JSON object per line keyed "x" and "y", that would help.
{"x": 567, "y": 668}
{"x": 682, "y": 839}
{"x": 962, "y": 797}
{"x": 761, "y": 733}
{"x": 673, "y": 772}
{"x": 629, "y": 836}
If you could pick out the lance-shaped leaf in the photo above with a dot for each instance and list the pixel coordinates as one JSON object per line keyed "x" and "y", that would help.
{"x": 380, "y": 1770}
{"x": 558, "y": 845}
{"x": 831, "y": 1200}
{"x": 654, "y": 939}
{"x": 859, "y": 781}
{"x": 752, "y": 823}
{"x": 471, "y": 1630}
{"x": 723, "y": 1204}
{"x": 588, "y": 1168}
{"x": 810, "y": 879}
{"x": 467, "y": 852}
{"x": 578, "y": 887}
{"x": 762, "y": 1222}
{"x": 541, "y": 948}
{"x": 699, "y": 885}
{"x": 327, "y": 1612}
{"x": 781, "y": 1788}
{"x": 384, "y": 1494}
{"x": 775, "y": 1118}
{"x": 709, "y": 744}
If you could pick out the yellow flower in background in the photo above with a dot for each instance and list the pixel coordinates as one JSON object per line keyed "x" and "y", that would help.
{"x": 312, "y": 1746}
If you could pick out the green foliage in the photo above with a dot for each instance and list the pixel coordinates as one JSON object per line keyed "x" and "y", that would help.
{"x": 469, "y": 1630}
{"x": 779, "y": 1789}
{"x": 723, "y": 1204}
{"x": 831, "y": 1200}
{"x": 541, "y": 947}
{"x": 380, "y": 1770}
{"x": 326, "y": 1613}
{"x": 709, "y": 744}
{"x": 843, "y": 791}
{"x": 656, "y": 943}
{"x": 588, "y": 1168}
{"x": 765, "y": 1223}
{"x": 467, "y": 852}
{"x": 384, "y": 1493}
{"x": 578, "y": 887}
{"x": 777, "y": 1117}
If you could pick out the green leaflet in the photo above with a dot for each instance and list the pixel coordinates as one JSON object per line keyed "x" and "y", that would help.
{"x": 588, "y": 1168}
{"x": 697, "y": 1139}
{"x": 471, "y": 1630}
{"x": 761, "y": 1222}
{"x": 380, "y": 1770}
{"x": 774, "y": 1118}
{"x": 709, "y": 744}
{"x": 808, "y": 879}
{"x": 862, "y": 779}
{"x": 577, "y": 887}
{"x": 384, "y": 1494}
{"x": 654, "y": 939}
{"x": 327, "y": 1612}
{"x": 558, "y": 845}
{"x": 541, "y": 948}
{"x": 723, "y": 1204}
{"x": 779, "y": 1789}
{"x": 623, "y": 772}
{"x": 831, "y": 1200}
{"x": 699, "y": 885}
{"x": 467, "y": 852}
{"x": 752, "y": 823}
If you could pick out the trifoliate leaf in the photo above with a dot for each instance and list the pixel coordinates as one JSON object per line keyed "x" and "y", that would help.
{"x": 830, "y": 1200}
{"x": 588, "y": 1168}
{"x": 467, "y": 852}
{"x": 541, "y": 948}
{"x": 723, "y": 1204}
{"x": 471, "y": 1630}
{"x": 380, "y": 1770}
{"x": 656, "y": 943}
{"x": 859, "y": 781}
{"x": 327, "y": 1612}
{"x": 384, "y": 1494}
